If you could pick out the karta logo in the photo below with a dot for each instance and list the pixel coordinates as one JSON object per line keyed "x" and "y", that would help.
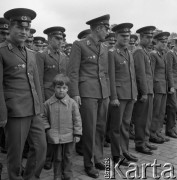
{"x": 138, "y": 171}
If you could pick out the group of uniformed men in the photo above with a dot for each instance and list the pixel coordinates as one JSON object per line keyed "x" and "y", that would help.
{"x": 115, "y": 81}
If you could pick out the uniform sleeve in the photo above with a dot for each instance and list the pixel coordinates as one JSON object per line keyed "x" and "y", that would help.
{"x": 38, "y": 85}
{"x": 45, "y": 116}
{"x": 3, "y": 108}
{"x": 40, "y": 65}
{"x": 169, "y": 59}
{"x": 153, "y": 62}
{"x": 111, "y": 61}
{"x": 140, "y": 72}
{"x": 73, "y": 69}
{"x": 76, "y": 119}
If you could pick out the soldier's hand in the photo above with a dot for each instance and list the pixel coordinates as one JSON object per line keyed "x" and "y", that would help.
{"x": 76, "y": 139}
{"x": 143, "y": 98}
{"x": 77, "y": 99}
{"x": 172, "y": 90}
{"x": 114, "y": 102}
{"x": 3, "y": 123}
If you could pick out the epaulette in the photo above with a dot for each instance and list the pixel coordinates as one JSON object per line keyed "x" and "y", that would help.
{"x": 3, "y": 44}
{"x": 104, "y": 44}
{"x": 112, "y": 49}
{"x": 154, "y": 51}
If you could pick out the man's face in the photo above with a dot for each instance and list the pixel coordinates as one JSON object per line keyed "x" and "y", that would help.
{"x": 146, "y": 40}
{"x": 29, "y": 43}
{"x": 123, "y": 39}
{"x": 103, "y": 31}
{"x": 18, "y": 33}
{"x": 162, "y": 44}
{"x": 61, "y": 91}
{"x": 56, "y": 42}
{"x": 3, "y": 35}
{"x": 38, "y": 47}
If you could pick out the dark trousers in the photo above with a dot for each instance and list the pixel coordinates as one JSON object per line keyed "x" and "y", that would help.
{"x": 94, "y": 116}
{"x": 171, "y": 111}
{"x": 142, "y": 120}
{"x": 159, "y": 109}
{"x": 119, "y": 127}
{"x": 2, "y": 138}
{"x": 62, "y": 164}
{"x": 17, "y": 131}
{"x": 50, "y": 154}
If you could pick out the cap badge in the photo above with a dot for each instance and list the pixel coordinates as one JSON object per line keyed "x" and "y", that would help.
{"x": 125, "y": 29}
{"x": 24, "y": 18}
{"x": 6, "y": 26}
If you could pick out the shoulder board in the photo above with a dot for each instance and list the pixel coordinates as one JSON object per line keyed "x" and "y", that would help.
{"x": 171, "y": 50}
{"x": 62, "y": 53}
{"x": 3, "y": 44}
{"x": 105, "y": 44}
{"x": 154, "y": 51}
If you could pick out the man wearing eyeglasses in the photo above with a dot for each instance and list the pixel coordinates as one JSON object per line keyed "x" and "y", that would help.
{"x": 50, "y": 63}
{"x": 88, "y": 72}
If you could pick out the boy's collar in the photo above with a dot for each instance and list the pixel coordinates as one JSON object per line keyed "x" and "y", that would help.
{"x": 63, "y": 100}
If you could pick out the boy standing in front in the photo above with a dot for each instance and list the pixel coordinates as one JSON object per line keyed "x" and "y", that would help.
{"x": 63, "y": 127}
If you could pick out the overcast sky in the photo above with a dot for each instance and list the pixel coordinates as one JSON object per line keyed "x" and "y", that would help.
{"x": 72, "y": 14}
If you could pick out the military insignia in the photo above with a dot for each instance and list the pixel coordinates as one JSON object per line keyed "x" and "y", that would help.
{"x": 88, "y": 43}
{"x": 94, "y": 57}
{"x": 124, "y": 62}
{"x": 118, "y": 50}
{"x": 6, "y": 26}
{"x": 10, "y": 46}
{"x": 24, "y": 18}
{"x": 23, "y": 65}
{"x": 53, "y": 66}
{"x": 126, "y": 29}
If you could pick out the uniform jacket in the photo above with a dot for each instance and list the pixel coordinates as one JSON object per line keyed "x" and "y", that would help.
{"x": 171, "y": 58}
{"x": 122, "y": 75}
{"x": 144, "y": 76}
{"x": 159, "y": 68}
{"x": 49, "y": 65}
{"x": 63, "y": 119}
{"x": 88, "y": 69}
{"x": 20, "y": 92}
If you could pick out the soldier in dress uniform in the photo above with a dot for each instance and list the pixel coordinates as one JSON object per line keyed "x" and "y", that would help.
{"x": 142, "y": 113}
{"x": 29, "y": 40}
{"x": 38, "y": 43}
{"x": 132, "y": 42}
{"x": 20, "y": 97}
{"x": 171, "y": 108}
{"x": 79, "y": 146}
{"x": 88, "y": 72}
{"x": 50, "y": 63}
{"x": 123, "y": 93}
{"x": 4, "y": 29}
{"x": 159, "y": 69}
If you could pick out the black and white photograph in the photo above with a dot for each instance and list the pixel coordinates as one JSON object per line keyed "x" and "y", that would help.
{"x": 88, "y": 89}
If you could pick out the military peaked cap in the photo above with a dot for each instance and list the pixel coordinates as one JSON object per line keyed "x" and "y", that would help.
{"x": 122, "y": 28}
{"x": 55, "y": 31}
{"x": 146, "y": 30}
{"x": 102, "y": 20}
{"x": 162, "y": 36}
{"x": 84, "y": 33}
{"x": 4, "y": 24}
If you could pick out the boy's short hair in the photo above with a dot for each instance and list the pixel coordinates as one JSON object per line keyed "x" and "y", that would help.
{"x": 61, "y": 79}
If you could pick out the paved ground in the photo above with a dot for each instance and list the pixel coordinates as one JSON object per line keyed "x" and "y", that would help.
{"x": 166, "y": 153}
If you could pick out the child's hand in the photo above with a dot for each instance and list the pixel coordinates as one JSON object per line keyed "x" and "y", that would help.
{"x": 76, "y": 139}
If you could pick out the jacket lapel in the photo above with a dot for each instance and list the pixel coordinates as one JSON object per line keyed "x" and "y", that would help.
{"x": 18, "y": 53}
{"x": 90, "y": 43}
{"x": 119, "y": 52}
